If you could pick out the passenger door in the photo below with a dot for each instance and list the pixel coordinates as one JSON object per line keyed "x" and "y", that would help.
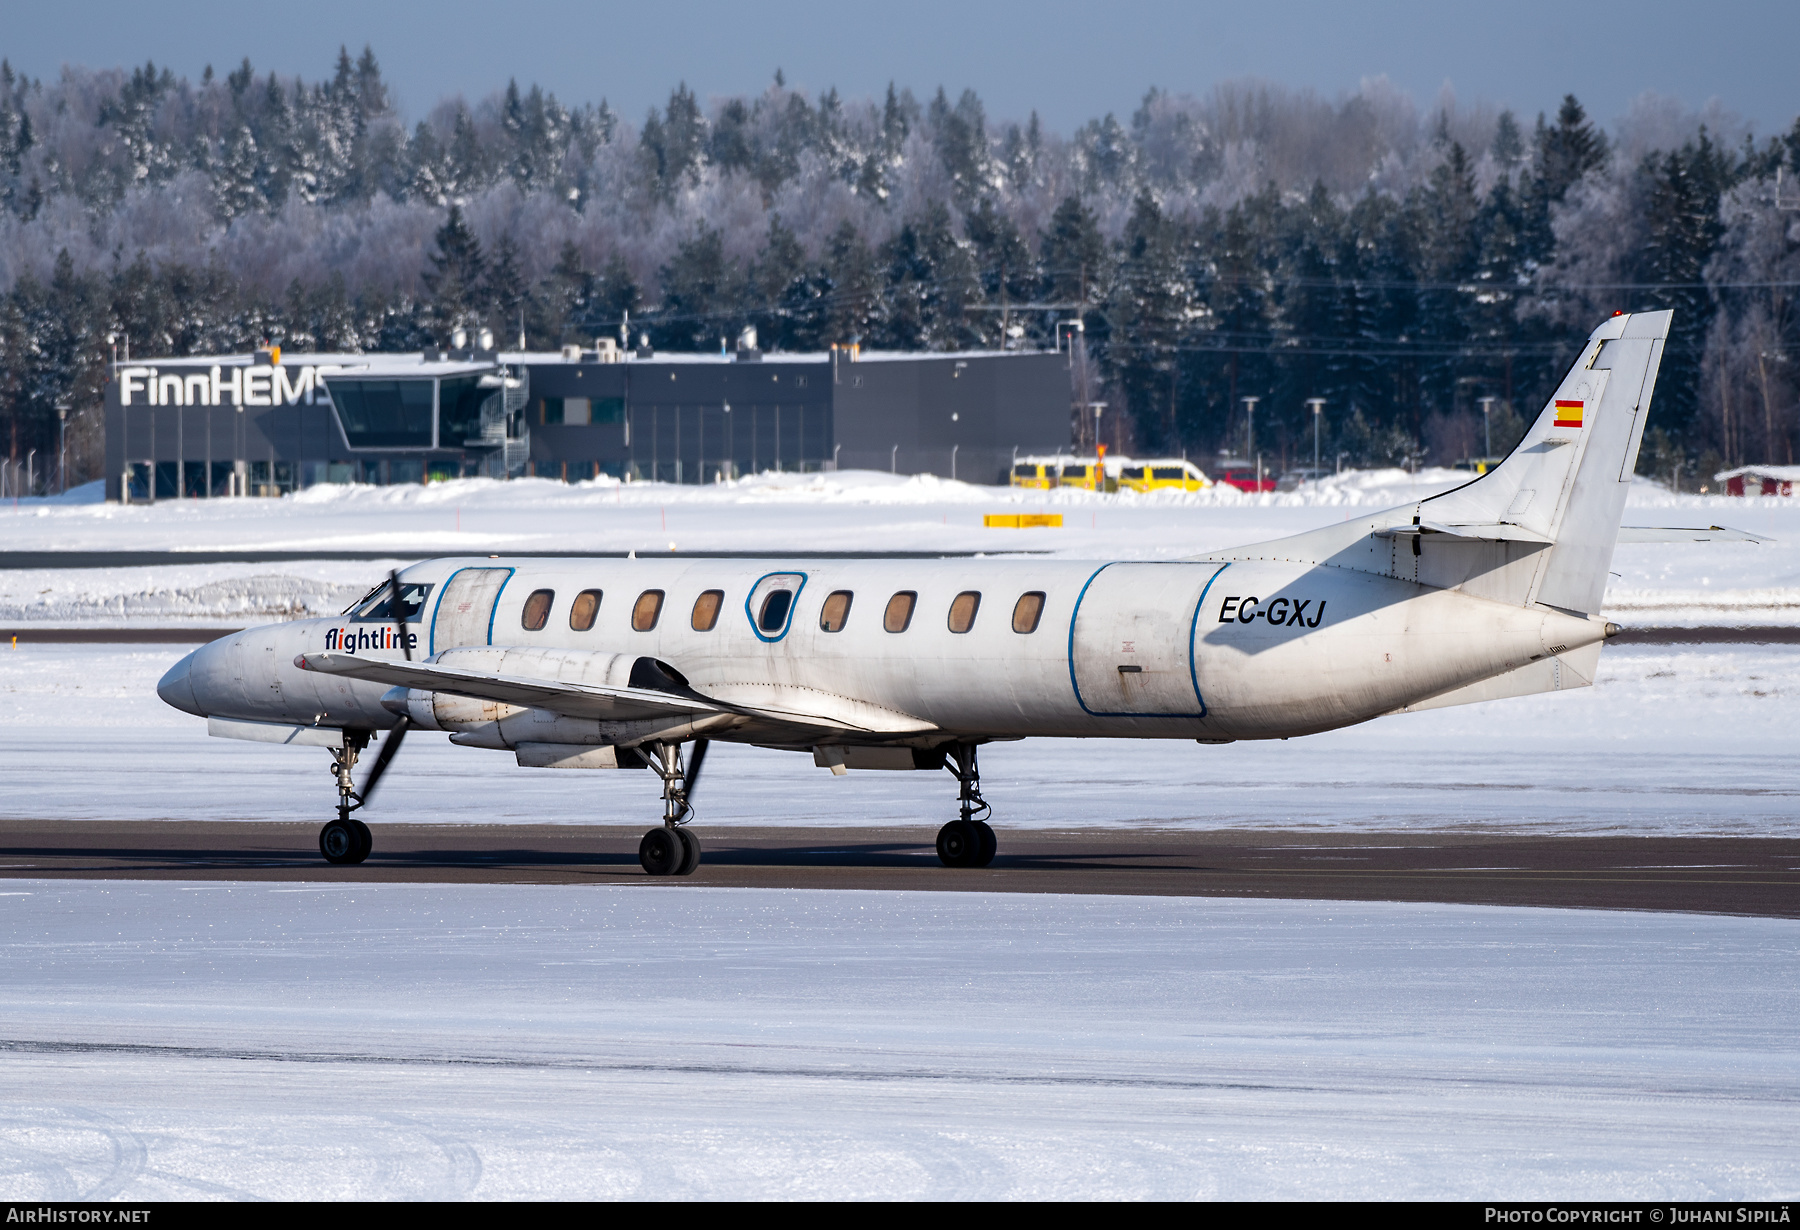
{"x": 465, "y": 612}
{"x": 1131, "y": 648}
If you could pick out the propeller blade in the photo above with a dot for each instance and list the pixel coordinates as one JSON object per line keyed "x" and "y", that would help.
{"x": 698, "y": 758}
{"x": 399, "y": 619}
{"x": 384, "y": 758}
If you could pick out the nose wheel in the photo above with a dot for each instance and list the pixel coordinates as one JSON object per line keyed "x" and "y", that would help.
{"x": 346, "y": 842}
{"x": 967, "y": 841}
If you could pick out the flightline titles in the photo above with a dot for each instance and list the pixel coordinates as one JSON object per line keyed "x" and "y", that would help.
{"x": 352, "y": 639}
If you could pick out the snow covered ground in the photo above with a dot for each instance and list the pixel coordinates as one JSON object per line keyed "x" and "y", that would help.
{"x": 193, "y": 1041}
{"x": 854, "y": 510}
{"x": 1670, "y": 741}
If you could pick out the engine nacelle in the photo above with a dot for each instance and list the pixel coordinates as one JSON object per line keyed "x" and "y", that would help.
{"x": 473, "y": 722}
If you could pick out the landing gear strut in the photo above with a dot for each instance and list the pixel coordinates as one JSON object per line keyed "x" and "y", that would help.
{"x": 345, "y": 840}
{"x": 967, "y": 841}
{"x": 673, "y": 849}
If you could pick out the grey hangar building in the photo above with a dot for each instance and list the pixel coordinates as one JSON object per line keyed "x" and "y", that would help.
{"x": 269, "y": 423}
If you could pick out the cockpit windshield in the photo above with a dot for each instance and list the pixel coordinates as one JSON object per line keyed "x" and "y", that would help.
{"x": 377, "y": 604}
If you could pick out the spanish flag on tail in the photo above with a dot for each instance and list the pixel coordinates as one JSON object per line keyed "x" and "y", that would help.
{"x": 1568, "y": 413}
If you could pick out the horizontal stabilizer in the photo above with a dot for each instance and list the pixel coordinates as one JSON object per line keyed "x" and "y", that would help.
{"x": 582, "y": 700}
{"x": 1705, "y": 533}
{"x": 1498, "y": 531}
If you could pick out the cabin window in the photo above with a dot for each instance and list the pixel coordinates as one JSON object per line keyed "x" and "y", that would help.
{"x": 583, "y": 610}
{"x": 1168, "y": 473}
{"x": 1027, "y": 611}
{"x": 537, "y": 610}
{"x": 706, "y": 610}
{"x": 835, "y": 611}
{"x": 899, "y": 611}
{"x": 775, "y": 608}
{"x": 771, "y": 604}
{"x": 962, "y": 610}
{"x": 647, "y": 610}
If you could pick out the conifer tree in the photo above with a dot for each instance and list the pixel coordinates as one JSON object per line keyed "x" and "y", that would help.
{"x": 457, "y": 274}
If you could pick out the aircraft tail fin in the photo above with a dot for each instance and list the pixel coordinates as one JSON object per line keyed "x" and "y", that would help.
{"x": 1565, "y": 484}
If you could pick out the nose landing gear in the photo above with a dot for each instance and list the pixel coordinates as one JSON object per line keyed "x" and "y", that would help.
{"x": 967, "y": 841}
{"x": 346, "y": 841}
{"x": 673, "y": 849}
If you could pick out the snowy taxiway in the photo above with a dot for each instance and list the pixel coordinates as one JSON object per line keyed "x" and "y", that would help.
{"x": 192, "y": 1041}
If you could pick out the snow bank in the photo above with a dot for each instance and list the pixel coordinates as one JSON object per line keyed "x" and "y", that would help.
{"x": 780, "y": 513}
{"x": 217, "y": 595}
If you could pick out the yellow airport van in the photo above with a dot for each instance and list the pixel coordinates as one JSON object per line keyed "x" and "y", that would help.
{"x": 1162, "y": 474}
{"x": 1089, "y": 475}
{"x": 1037, "y": 473}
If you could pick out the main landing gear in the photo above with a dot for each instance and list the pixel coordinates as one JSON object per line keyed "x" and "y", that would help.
{"x": 346, "y": 841}
{"x": 673, "y": 849}
{"x": 967, "y": 841}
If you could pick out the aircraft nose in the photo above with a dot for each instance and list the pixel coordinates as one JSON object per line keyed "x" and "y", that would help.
{"x": 177, "y": 687}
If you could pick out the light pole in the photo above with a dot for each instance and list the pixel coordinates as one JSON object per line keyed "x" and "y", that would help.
{"x": 1487, "y": 430}
{"x": 730, "y": 439}
{"x": 1098, "y": 407}
{"x": 1318, "y": 406}
{"x": 1250, "y": 427}
{"x": 62, "y": 445}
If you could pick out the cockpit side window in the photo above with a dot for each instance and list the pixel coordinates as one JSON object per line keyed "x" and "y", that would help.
{"x": 377, "y": 604}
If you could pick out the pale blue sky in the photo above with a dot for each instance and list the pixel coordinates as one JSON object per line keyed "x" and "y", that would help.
{"x": 1070, "y": 61}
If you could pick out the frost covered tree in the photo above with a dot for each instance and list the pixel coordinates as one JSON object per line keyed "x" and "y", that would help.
{"x": 1247, "y": 241}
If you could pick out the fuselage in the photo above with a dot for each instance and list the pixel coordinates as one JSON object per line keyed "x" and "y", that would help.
{"x": 1213, "y": 650}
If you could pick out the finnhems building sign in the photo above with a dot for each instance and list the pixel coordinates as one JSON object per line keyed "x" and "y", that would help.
{"x": 218, "y": 385}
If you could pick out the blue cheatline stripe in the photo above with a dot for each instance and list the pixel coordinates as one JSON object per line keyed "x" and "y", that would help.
{"x": 1073, "y": 616}
{"x": 1194, "y": 634}
{"x": 431, "y": 645}
{"x": 793, "y": 605}
{"x": 494, "y": 610}
{"x": 1108, "y": 713}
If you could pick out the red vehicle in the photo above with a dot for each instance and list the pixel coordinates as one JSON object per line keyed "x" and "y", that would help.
{"x": 1244, "y": 478}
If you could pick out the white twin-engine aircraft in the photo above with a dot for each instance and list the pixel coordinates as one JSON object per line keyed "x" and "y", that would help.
{"x": 1483, "y": 592}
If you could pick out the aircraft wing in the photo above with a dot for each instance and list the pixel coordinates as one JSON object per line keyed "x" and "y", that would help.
{"x": 782, "y": 708}
{"x": 1706, "y": 533}
{"x": 584, "y": 700}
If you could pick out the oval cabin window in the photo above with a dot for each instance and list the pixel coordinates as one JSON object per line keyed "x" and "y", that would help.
{"x": 583, "y": 610}
{"x": 899, "y": 611}
{"x": 706, "y": 610}
{"x": 836, "y": 611}
{"x": 775, "y": 610}
{"x": 647, "y": 610}
{"x": 962, "y": 610}
{"x": 1027, "y": 611}
{"x": 537, "y": 609}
